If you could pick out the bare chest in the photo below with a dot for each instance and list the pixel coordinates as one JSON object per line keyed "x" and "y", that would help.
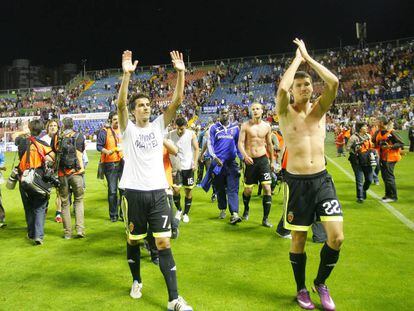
{"x": 257, "y": 131}
{"x": 298, "y": 125}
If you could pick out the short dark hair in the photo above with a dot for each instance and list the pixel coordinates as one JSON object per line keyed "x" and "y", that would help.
{"x": 36, "y": 127}
{"x": 67, "y": 123}
{"x": 383, "y": 119}
{"x": 302, "y": 75}
{"x": 181, "y": 121}
{"x": 359, "y": 125}
{"x": 223, "y": 109}
{"x": 111, "y": 115}
{"x": 134, "y": 97}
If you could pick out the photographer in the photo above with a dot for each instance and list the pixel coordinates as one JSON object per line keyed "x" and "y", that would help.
{"x": 109, "y": 144}
{"x": 69, "y": 146}
{"x": 362, "y": 158}
{"x": 389, "y": 145}
{"x": 52, "y": 127}
{"x": 33, "y": 154}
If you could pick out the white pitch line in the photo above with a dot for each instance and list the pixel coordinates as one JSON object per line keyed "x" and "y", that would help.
{"x": 388, "y": 206}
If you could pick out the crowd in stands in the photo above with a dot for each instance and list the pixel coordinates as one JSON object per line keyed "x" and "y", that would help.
{"x": 375, "y": 79}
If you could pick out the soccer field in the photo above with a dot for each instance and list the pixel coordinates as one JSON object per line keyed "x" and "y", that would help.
{"x": 220, "y": 266}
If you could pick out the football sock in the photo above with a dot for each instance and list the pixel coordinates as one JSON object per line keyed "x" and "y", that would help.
{"x": 168, "y": 269}
{"x": 329, "y": 258}
{"x": 267, "y": 204}
{"x": 133, "y": 254}
{"x": 298, "y": 262}
{"x": 177, "y": 201}
{"x": 187, "y": 205}
{"x": 246, "y": 200}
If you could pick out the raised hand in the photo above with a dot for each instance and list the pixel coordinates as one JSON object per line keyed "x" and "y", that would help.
{"x": 299, "y": 56}
{"x": 177, "y": 60}
{"x": 302, "y": 48}
{"x": 127, "y": 65}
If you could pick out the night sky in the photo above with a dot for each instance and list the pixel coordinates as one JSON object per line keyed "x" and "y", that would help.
{"x": 56, "y": 32}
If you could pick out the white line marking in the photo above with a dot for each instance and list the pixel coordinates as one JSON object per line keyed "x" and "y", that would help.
{"x": 388, "y": 206}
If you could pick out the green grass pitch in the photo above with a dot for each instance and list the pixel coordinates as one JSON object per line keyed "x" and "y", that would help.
{"x": 220, "y": 266}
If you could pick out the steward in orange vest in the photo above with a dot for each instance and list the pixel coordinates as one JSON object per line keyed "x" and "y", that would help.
{"x": 389, "y": 145}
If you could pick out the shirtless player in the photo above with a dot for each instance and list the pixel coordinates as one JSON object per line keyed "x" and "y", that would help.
{"x": 255, "y": 139}
{"x": 309, "y": 189}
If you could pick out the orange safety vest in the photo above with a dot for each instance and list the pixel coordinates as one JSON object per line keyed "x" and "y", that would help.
{"x": 167, "y": 166}
{"x": 340, "y": 139}
{"x": 112, "y": 143}
{"x": 347, "y": 133}
{"x": 284, "y": 159}
{"x": 366, "y": 145}
{"x": 281, "y": 140}
{"x": 36, "y": 160}
{"x": 388, "y": 155}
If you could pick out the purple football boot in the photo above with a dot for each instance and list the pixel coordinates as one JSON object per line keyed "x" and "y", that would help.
{"x": 326, "y": 300}
{"x": 304, "y": 300}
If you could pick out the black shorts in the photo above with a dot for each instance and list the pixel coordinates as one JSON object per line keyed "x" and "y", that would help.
{"x": 308, "y": 198}
{"x": 258, "y": 171}
{"x": 143, "y": 208}
{"x": 184, "y": 178}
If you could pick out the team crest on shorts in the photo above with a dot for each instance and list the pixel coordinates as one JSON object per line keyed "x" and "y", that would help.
{"x": 290, "y": 216}
{"x": 131, "y": 227}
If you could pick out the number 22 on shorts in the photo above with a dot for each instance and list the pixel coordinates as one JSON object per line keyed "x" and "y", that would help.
{"x": 332, "y": 207}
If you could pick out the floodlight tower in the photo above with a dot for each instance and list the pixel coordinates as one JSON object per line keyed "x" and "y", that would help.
{"x": 361, "y": 33}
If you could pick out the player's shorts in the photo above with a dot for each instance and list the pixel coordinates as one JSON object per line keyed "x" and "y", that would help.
{"x": 184, "y": 178}
{"x": 146, "y": 208}
{"x": 309, "y": 197}
{"x": 258, "y": 171}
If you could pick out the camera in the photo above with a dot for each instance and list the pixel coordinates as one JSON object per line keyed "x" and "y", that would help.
{"x": 49, "y": 176}
{"x": 13, "y": 178}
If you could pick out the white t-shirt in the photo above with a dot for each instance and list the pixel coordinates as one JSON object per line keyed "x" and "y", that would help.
{"x": 47, "y": 139}
{"x": 185, "y": 147}
{"x": 143, "y": 151}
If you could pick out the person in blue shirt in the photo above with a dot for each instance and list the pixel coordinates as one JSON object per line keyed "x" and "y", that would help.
{"x": 222, "y": 147}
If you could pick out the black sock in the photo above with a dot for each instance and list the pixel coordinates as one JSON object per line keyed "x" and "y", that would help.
{"x": 168, "y": 269}
{"x": 187, "y": 205}
{"x": 298, "y": 262}
{"x": 267, "y": 204}
{"x": 133, "y": 254}
{"x": 177, "y": 201}
{"x": 246, "y": 200}
{"x": 329, "y": 258}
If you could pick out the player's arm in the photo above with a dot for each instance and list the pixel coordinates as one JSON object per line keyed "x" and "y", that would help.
{"x": 241, "y": 144}
{"x": 269, "y": 147}
{"x": 211, "y": 142}
{"x": 196, "y": 151}
{"x": 236, "y": 142}
{"x": 202, "y": 152}
{"x": 178, "y": 96}
{"x": 331, "y": 81}
{"x": 170, "y": 146}
{"x": 282, "y": 95}
{"x": 128, "y": 68}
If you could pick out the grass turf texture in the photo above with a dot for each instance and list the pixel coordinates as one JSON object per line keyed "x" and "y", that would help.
{"x": 220, "y": 266}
